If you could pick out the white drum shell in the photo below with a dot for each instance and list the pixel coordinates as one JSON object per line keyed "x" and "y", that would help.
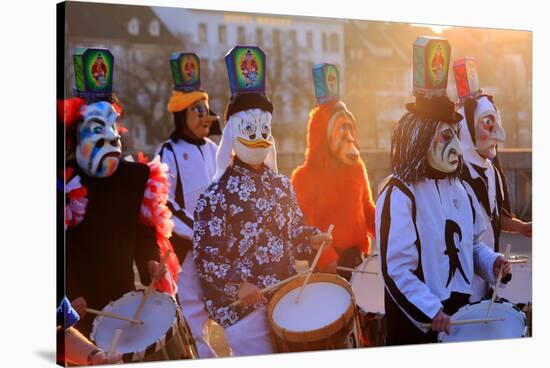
{"x": 368, "y": 288}
{"x": 519, "y": 289}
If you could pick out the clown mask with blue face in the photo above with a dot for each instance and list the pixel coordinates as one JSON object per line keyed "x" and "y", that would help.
{"x": 98, "y": 147}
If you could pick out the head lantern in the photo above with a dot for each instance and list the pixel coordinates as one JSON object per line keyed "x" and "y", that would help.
{"x": 98, "y": 146}
{"x": 425, "y": 139}
{"x": 342, "y": 128}
{"x": 247, "y": 132}
{"x": 482, "y": 129}
{"x": 189, "y": 102}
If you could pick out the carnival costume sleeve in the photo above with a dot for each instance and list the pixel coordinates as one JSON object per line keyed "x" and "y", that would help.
{"x": 400, "y": 260}
{"x": 300, "y": 233}
{"x": 181, "y": 217}
{"x": 156, "y": 229}
{"x": 219, "y": 275}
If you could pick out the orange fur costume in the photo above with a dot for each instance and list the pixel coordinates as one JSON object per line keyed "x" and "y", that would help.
{"x": 329, "y": 192}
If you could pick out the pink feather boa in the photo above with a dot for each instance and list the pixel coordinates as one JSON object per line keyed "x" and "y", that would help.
{"x": 76, "y": 193}
{"x": 154, "y": 212}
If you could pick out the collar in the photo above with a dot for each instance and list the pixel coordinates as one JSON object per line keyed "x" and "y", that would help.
{"x": 245, "y": 168}
{"x": 194, "y": 141}
{"x": 432, "y": 173}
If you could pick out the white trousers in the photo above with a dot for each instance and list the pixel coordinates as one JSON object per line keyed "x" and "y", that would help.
{"x": 250, "y": 336}
{"x": 190, "y": 298}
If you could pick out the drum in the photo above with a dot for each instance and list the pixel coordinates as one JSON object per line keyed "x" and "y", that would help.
{"x": 368, "y": 289}
{"x": 164, "y": 334}
{"x": 513, "y": 325}
{"x": 519, "y": 290}
{"x": 324, "y": 318}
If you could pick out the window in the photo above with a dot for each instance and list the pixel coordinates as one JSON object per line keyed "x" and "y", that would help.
{"x": 334, "y": 42}
{"x": 222, "y": 34}
{"x": 202, "y": 33}
{"x": 133, "y": 27}
{"x": 309, "y": 39}
{"x": 154, "y": 28}
{"x": 292, "y": 37}
{"x": 276, "y": 37}
{"x": 241, "y": 39}
{"x": 259, "y": 36}
{"x": 324, "y": 42}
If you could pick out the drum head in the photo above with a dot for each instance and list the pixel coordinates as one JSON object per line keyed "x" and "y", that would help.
{"x": 369, "y": 288}
{"x": 513, "y": 325}
{"x": 321, "y": 304}
{"x": 158, "y": 316}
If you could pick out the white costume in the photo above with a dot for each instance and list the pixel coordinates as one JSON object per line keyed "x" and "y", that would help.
{"x": 191, "y": 168}
{"x": 429, "y": 236}
{"x": 486, "y": 184}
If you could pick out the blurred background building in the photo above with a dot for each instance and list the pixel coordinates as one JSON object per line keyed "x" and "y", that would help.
{"x": 374, "y": 59}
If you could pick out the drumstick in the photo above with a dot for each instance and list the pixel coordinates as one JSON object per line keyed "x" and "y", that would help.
{"x": 114, "y": 343}
{"x": 115, "y": 316}
{"x": 274, "y": 286}
{"x": 506, "y": 254}
{"x": 516, "y": 261}
{"x": 310, "y": 271}
{"x": 150, "y": 288}
{"x": 342, "y": 268}
{"x": 468, "y": 321}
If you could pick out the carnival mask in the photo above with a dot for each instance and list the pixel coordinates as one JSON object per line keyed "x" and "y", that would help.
{"x": 488, "y": 128}
{"x": 252, "y": 132}
{"x": 445, "y": 150}
{"x": 341, "y": 137}
{"x": 98, "y": 149}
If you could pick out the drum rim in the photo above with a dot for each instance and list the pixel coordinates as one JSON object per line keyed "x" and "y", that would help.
{"x": 442, "y": 334}
{"x": 152, "y": 348}
{"x": 319, "y": 333}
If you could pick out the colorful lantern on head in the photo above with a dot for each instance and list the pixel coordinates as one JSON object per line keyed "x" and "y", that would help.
{"x": 326, "y": 80}
{"x": 431, "y": 57}
{"x": 185, "y": 71}
{"x": 246, "y": 70}
{"x": 93, "y": 70}
{"x": 466, "y": 77}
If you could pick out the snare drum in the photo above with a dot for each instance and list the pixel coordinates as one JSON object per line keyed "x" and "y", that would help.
{"x": 324, "y": 318}
{"x": 369, "y": 293}
{"x": 519, "y": 290}
{"x": 513, "y": 325}
{"x": 164, "y": 334}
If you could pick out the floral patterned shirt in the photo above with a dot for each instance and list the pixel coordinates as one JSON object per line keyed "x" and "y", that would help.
{"x": 248, "y": 226}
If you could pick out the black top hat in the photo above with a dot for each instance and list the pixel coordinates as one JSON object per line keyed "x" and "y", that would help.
{"x": 437, "y": 107}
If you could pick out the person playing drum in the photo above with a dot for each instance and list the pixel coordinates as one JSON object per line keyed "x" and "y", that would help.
{"x": 115, "y": 210}
{"x": 248, "y": 228}
{"x": 481, "y": 131}
{"x": 333, "y": 158}
{"x": 428, "y": 227}
{"x": 191, "y": 159}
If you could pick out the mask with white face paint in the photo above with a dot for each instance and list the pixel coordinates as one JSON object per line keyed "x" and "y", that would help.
{"x": 252, "y": 132}
{"x": 445, "y": 149}
{"x": 98, "y": 149}
{"x": 488, "y": 128}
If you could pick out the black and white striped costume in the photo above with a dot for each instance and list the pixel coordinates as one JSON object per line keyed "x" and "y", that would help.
{"x": 488, "y": 185}
{"x": 429, "y": 238}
